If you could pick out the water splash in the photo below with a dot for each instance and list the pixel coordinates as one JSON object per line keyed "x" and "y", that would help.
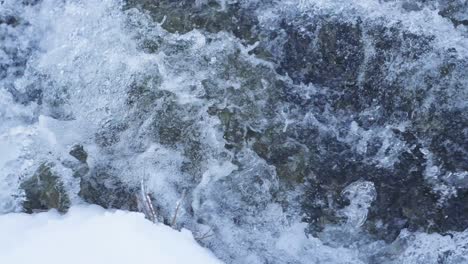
{"x": 154, "y": 105}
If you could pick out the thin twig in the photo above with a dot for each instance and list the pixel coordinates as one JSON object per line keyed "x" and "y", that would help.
{"x": 205, "y": 235}
{"x": 174, "y": 219}
{"x": 148, "y": 208}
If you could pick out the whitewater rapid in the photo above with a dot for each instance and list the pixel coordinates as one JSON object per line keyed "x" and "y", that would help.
{"x": 115, "y": 81}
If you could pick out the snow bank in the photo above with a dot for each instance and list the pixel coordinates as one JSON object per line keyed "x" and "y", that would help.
{"x": 93, "y": 235}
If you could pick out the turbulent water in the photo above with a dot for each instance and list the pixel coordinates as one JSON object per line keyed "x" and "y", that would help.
{"x": 288, "y": 131}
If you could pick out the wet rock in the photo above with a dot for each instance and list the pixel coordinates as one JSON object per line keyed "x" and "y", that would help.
{"x": 455, "y": 10}
{"x": 448, "y": 139}
{"x": 80, "y": 170}
{"x": 79, "y": 153}
{"x": 411, "y": 6}
{"x": 31, "y": 2}
{"x": 329, "y": 53}
{"x": 32, "y": 94}
{"x": 109, "y": 133}
{"x": 184, "y": 16}
{"x": 329, "y": 75}
{"x": 79, "y": 167}
{"x": 331, "y": 57}
{"x": 101, "y": 187}
{"x": 44, "y": 191}
{"x": 9, "y": 20}
{"x": 453, "y": 213}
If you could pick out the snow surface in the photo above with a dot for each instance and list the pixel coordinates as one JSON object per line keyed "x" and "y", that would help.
{"x": 92, "y": 235}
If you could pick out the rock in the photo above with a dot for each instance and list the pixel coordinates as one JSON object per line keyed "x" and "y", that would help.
{"x": 332, "y": 56}
{"x": 411, "y": 6}
{"x": 455, "y": 10}
{"x": 80, "y": 170}
{"x": 347, "y": 99}
{"x": 31, "y": 2}
{"x": 109, "y": 134}
{"x": 78, "y": 165}
{"x": 79, "y": 153}
{"x": 44, "y": 191}
{"x": 184, "y": 16}
{"x": 328, "y": 53}
{"x": 101, "y": 187}
{"x": 9, "y": 20}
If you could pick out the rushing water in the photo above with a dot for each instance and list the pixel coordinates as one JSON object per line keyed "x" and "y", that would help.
{"x": 289, "y": 131}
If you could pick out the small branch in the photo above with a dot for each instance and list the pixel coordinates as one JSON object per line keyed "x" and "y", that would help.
{"x": 205, "y": 235}
{"x": 151, "y": 208}
{"x": 147, "y": 205}
{"x": 174, "y": 219}
{"x": 162, "y": 21}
